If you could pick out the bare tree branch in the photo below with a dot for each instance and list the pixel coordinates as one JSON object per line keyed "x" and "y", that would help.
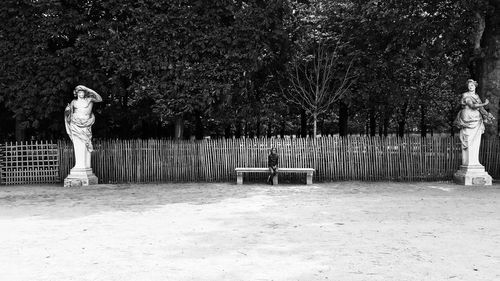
{"x": 311, "y": 82}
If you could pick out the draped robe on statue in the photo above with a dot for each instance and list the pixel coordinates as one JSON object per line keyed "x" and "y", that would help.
{"x": 470, "y": 121}
{"x": 79, "y": 121}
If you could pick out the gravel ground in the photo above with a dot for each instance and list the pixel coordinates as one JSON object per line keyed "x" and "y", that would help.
{"x": 330, "y": 231}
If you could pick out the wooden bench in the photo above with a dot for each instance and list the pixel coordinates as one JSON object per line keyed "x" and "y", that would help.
{"x": 240, "y": 171}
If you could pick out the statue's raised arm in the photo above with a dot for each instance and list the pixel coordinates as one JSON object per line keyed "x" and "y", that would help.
{"x": 89, "y": 93}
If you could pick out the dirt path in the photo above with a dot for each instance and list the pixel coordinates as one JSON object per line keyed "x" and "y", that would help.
{"x": 338, "y": 231}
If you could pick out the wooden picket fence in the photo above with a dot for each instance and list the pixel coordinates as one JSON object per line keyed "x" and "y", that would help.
{"x": 334, "y": 159}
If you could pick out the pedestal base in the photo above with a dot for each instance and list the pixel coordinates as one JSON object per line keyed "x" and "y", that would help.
{"x": 80, "y": 177}
{"x": 472, "y": 175}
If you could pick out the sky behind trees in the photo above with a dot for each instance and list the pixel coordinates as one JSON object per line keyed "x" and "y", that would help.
{"x": 223, "y": 68}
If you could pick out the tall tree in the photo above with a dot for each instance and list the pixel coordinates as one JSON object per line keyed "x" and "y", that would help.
{"x": 25, "y": 71}
{"x": 399, "y": 45}
{"x": 485, "y": 59}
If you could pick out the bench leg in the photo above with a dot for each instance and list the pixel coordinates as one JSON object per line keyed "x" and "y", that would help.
{"x": 275, "y": 180}
{"x": 309, "y": 178}
{"x": 239, "y": 178}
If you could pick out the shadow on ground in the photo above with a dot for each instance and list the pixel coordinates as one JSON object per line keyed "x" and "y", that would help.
{"x": 60, "y": 202}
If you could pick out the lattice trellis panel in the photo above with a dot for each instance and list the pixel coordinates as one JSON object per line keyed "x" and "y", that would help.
{"x": 30, "y": 162}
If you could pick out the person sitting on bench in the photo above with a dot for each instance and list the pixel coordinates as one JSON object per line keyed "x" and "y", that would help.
{"x": 272, "y": 163}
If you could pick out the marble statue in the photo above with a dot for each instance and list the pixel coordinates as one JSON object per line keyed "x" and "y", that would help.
{"x": 79, "y": 119}
{"x": 470, "y": 120}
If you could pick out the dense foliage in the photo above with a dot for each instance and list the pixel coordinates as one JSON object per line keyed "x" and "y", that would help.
{"x": 220, "y": 68}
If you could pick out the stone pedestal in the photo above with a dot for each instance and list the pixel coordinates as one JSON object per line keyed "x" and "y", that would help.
{"x": 80, "y": 177}
{"x": 472, "y": 175}
{"x": 81, "y": 174}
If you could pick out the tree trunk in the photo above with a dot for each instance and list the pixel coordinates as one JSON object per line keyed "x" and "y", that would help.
{"x": 303, "y": 123}
{"x": 257, "y": 131}
{"x": 199, "y": 133}
{"x": 315, "y": 125}
{"x": 20, "y": 129}
{"x": 423, "y": 121}
{"x": 322, "y": 126}
{"x": 451, "y": 119}
{"x": 402, "y": 119}
{"x": 373, "y": 123}
{"x": 386, "y": 123}
{"x": 380, "y": 128}
{"x": 489, "y": 65}
{"x": 238, "y": 129}
{"x": 227, "y": 131}
{"x": 282, "y": 131}
{"x": 401, "y": 128}
{"x": 179, "y": 128}
{"x": 343, "y": 118}
{"x": 250, "y": 131}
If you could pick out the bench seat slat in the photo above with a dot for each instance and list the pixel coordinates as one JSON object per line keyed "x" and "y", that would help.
{"x": 287, "y": 170}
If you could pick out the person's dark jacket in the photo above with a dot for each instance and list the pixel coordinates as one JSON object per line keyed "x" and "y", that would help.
{"x": 272, "y": 160}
